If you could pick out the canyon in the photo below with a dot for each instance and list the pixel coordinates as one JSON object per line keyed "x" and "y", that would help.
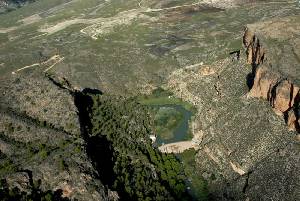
{"x": 73, "y": 74}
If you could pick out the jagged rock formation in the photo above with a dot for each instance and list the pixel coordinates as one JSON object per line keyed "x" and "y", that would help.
{"x": 269, "y": 84}
{"x": 254, "y": 50}
{"x": 245, "y": 144}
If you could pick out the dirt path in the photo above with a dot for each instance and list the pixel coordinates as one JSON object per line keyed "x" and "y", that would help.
{"x": 99, "y": 26}
{"x": 7, "y": 30}
{"x": 179, "y": 147}
{"x": 25, "y": 67}
{"x": 34, "y": 18}
{"x": 25, "y": 21}
{"x": 173, "y": 7}
{"x": 95, "y": 9}
{"x": 56, "y": 59}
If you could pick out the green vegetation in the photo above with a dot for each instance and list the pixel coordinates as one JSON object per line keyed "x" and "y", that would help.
{"x": 166, "y": 117}
{"x": 166, "y": 100}
{"x": 166, "y": 120}
{"x": 62, "y": 164}
{"x": 197, "y": 184}
{"x": 6, "y": 165}
{"x": 119, "y": 130}
{"x": 34, "y": 193}
{"x": 160, "y": 96}
{"x": 43, "y": 152}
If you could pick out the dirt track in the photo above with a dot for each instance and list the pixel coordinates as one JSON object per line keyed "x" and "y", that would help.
{"x": 179, "y": 147}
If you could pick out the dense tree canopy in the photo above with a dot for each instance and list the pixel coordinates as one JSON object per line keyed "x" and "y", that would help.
{"x": 140, "y": 171}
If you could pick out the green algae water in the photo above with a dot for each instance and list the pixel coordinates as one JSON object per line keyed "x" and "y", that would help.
{"x": 176, "y": 120}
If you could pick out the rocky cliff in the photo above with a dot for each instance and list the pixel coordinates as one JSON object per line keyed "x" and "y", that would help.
{"x": 247, "y": 153}
{"x": 245, "y": 150}
{"x": 267, "y": 81}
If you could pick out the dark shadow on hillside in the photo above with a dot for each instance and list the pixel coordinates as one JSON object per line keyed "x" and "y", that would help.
{"x": 99, "y": 148}
{"x": 250, "y": 77}
{"x": 100, "y": 151}
{"x": 91, "y": 91}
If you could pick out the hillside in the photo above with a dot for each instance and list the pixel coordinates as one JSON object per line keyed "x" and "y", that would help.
{"x": 149, "y": 100}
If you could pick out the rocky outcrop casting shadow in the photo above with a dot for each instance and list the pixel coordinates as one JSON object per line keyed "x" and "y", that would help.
{"x": 251, "y": 76}
{"x": 98, "y": 148}
{"x": 269, "y": 84}
{"x": 100, "y": 151}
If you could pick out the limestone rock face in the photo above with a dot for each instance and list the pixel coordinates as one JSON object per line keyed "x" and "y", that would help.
{"x": 269, "y": 84}
{"x": 285, "y": 95}
{"x": 281, "y": 94}
{"x": 255, "y": 52}
{"x": 264, "y": 82}
{"x": 292, "y": 120}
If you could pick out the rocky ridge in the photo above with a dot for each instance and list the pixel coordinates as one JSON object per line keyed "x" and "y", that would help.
{"x": 269, "y": 84}
{"x": 245, "y": 144}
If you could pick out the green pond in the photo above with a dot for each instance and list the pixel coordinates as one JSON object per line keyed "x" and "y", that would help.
{"x": 171, "y": 123}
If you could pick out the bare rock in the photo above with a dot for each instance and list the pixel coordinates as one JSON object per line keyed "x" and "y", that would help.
{"x": 269, "y": 82}
{"x": 292, "y": 120}
{"x": 284, "y": 96}
{"x": 255, "y": 51}
{"x": 264, "y": 82}
{"x": 19, "y": 180}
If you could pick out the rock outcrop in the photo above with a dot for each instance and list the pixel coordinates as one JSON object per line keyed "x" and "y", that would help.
{"x": 255, "y": 52}
{"x": 245, "y": 144}
{"x": 269, "y": 84}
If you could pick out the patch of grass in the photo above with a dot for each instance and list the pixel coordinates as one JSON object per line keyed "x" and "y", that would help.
{"x": 62, "y": 164}
{"x": 6, "y": 167}
{"x": 43, "y": 151}
{"x": 160, "y": 96}
{"x": 165, "y": 101}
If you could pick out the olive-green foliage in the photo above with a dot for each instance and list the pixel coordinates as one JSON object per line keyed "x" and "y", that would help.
{"x": 160, "y": 92}
{"x": 34, "y": 193}
{"x": 43, "y": 151}
{"x": 62, "y": 165}
{"x": 197, "y": 184}
{"x": 160, "y": 96}
{"x": 6, "y": 166}
{"x": 141, "y": 171}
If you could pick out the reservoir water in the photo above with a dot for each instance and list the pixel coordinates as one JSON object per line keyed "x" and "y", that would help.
{"x": 181, "y": 131}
